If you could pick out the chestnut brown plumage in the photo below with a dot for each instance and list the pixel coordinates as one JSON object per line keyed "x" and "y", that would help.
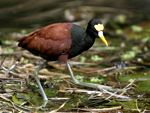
{"x": 62, "y": 41}
{"x": 50, "y": 42}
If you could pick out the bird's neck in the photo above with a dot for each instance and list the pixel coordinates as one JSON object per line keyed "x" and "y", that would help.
{"x": 89, "y": 40}
{"x": 90, "y": 33}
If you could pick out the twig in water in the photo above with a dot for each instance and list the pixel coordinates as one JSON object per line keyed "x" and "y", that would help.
{"x": 12, "y": 72}
{"x": 2, "y": 62}
{"x": 11, "y": 68}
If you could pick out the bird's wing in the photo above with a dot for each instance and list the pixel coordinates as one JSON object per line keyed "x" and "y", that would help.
{"x": 54, "y": 39}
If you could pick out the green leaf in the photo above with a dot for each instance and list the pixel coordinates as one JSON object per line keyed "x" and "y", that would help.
{"x": 119, "y": 32}
{"x": 82, "y": 59}
{"x": 7, "y": 42}
{"x": 145, "y": 39}
{"x": 139, "y": 60}
{"x": 44, "y": 69}
{"x": 16, "y": 101}
{"x": 23, "y": 31}
{"x": 122, "y": 18}
{"x": 139, "y": 96}
{"x": 135, "y": 48}
{"x": 96, "y": 58}
{"x": 58, "y": 80}
{"x": 131, "y": 54}
{"x": 26, "y": 61}
{"x": 131, "y": 80}
{"x": 95, "y": 80}
{"x": 136, "y": 28}
{"x": 80, "y": 78}
{"x": 9, "y": 50}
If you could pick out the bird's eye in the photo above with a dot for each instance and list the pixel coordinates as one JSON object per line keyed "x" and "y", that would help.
{"x": 99, "y": 27}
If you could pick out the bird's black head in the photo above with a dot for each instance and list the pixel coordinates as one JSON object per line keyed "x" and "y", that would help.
{"x": 95, "y": 29}
{"x": 94, "y": 22}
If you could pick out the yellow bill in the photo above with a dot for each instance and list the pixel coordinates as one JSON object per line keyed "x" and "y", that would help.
{"x": 104, "y": 40}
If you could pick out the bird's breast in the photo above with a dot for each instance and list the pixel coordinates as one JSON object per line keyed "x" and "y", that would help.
{"x": 81, "y": 41}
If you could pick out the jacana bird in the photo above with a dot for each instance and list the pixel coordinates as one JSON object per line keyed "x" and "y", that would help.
{"x": 62, "y": 41}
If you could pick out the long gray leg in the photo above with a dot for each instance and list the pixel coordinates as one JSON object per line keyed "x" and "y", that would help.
{"x": 93, "y": 85}
{"x": 72, "y": 76}
{"x": 78, "y": 82}
{"x": 38, "y": 82}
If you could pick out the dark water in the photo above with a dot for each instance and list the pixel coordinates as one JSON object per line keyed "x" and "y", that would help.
{"x": 33, "y": 14}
